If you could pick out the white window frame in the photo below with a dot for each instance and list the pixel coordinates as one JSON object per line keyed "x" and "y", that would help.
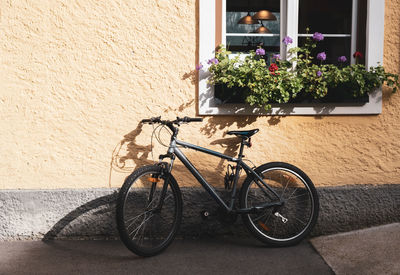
{"x": 208, "y": 105}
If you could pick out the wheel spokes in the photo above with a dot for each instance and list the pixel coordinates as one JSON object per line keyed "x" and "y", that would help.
{"x": 293, "y": 216}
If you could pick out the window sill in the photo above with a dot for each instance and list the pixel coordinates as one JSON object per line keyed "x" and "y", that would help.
{"x": 212, "y": 106}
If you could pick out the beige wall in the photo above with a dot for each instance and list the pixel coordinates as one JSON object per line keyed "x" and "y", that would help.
{"x": 77, "y": 76}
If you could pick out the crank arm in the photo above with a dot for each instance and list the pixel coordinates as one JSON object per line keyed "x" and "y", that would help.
{"x": 256, "y": 209}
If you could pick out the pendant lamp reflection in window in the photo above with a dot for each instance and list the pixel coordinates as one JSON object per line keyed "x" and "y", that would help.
{"x": 264, "y": 15}
{"x": 262, "y": 29}
{"x": 247, "y": 20}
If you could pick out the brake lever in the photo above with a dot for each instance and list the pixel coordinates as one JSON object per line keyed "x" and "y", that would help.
{"x": 179, "y": 121}
{"x": 155, "y": 119}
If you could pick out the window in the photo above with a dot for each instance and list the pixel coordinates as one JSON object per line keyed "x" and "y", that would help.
{"x": 342, "y": 22}
{"x": 348, "y": 25}
{"x": 242, "y": 33}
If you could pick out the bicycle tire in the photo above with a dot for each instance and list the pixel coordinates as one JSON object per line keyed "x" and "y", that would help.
{"x": 300, "y": 209}
{"x": 139, "y": 196}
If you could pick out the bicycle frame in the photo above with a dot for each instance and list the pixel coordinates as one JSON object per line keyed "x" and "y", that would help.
{"x": 174, "y": 150}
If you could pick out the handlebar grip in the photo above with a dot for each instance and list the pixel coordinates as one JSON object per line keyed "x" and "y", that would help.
{"x": 151, "y": 120}
{"x": 190, "y": 119}
{"x": 199, "y": 119}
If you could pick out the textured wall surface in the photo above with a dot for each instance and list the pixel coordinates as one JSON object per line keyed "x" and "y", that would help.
{"x": 76, "y": 77}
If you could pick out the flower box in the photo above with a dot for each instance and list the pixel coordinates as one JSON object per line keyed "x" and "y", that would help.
{"x": 303, "y": 79}
{"x": 342, "y": 95}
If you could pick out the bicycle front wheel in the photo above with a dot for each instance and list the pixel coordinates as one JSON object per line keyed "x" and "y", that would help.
{"x": 281, "y": 225}
{"x": 149, "y": 211}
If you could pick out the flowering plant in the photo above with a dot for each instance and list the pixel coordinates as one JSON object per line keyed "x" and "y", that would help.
{"x": 303, "y": 74}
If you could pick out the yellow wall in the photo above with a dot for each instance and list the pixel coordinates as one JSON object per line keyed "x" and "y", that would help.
{"x": 77, "y": 77}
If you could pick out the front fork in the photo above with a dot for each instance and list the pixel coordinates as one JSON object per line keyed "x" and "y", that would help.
{"x": 165, "y": 174}
{"x": 165, "y": 165}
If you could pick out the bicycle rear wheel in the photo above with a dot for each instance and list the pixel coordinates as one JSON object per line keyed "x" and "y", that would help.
{"x": 282, "y": 225}
{"x": 148, "y": 217}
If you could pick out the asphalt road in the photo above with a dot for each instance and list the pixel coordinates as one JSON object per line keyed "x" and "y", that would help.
{"x": 201, "y": 256}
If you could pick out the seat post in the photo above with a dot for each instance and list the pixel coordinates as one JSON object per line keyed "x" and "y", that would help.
{"x": 237, "y": 172}
{"x": 241, "y": 149}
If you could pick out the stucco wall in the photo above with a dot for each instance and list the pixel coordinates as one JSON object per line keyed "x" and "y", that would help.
{"x": 76, "y": 77}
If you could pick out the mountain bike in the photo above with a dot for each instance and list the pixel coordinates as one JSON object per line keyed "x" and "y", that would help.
{"x": 277, "y": 201}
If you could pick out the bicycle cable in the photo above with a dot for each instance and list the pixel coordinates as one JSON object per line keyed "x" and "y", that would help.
{"x": 151, "y": 139}
{"x": 252, "y": 163}
{"x": 156, "y": 134}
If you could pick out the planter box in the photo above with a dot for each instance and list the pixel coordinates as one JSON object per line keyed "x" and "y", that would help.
{"x": 340, "y": 95}
{"x": 230, "y": 95}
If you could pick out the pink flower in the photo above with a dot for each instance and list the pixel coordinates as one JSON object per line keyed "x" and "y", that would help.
{"x": 318, "y": 36}
{"x": 276, "y": 56}
{"x": 287, "y": 40}
{"x": 260, "y": 51}
{"x": 321, "y": 56}
{"x": 213, "y": 61}
{"x": 342, "y": 59}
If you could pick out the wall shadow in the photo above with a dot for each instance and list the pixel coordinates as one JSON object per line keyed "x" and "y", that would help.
{"x": 137, "y": 153}
{"x": 231, "y": 147}
{"x": 92, "y": 219}
{"x": 192, "y": 76}
{"x": 219, "y": 123}
{"x": 134, "y": 152}
{"x": 343, "y": 208}
{"x": 181, "y": 108}
{"x": 128, "y": 154}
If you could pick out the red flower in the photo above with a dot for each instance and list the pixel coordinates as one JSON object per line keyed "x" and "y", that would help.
{"x": 272, "y": 68}
{"x": 358, "y": 55}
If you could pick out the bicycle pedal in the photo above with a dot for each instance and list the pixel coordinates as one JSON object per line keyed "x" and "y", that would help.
{"x": 204, "y": 214}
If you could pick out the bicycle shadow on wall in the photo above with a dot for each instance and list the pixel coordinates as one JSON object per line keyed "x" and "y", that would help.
{"x": 230, "y": 145}
{"x": 93, "y": 219}
{"x": 129, "y": 154}
{"x": 134, "y": 152}
{"x": 228, "y": 123}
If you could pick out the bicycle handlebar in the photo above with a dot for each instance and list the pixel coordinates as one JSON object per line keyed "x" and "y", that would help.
{"x": 177, "y": 121}
{"x": 151, "y": 120}
{"x": 190, "y": 119}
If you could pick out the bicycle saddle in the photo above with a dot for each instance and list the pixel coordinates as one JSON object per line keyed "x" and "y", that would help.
{"x": 243, "y": 134}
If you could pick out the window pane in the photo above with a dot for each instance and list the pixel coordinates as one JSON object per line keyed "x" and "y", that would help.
{"x": 361, "y": 28}
{"x": 325, "y": 16}
{"x": 232, "y": 25}
{"x": 238, "y": 9}
{"x": 334, "y": 18}
{"x": 333, "y": 47}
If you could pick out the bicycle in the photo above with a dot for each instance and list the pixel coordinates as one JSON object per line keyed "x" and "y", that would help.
{"x": 278, "y": 202}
